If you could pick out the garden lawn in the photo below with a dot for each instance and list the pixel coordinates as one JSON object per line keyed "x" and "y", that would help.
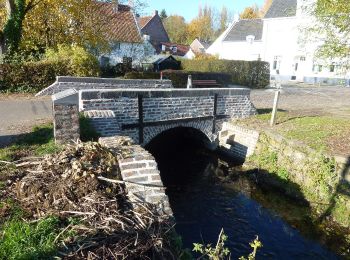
{"x": 329, "y": 134}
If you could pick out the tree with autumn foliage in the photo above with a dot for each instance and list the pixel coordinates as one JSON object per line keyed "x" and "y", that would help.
{"x": 201, "y": 27}
{"x": 333, "y": 18}
{"x": 251, "y": 12}
{"x": 12, "y": 16}
{"x": 176, "y": 28}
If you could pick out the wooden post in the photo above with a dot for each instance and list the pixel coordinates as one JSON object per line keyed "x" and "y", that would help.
{"x": 161, "y": 75}
{"x": 275, "y": 108}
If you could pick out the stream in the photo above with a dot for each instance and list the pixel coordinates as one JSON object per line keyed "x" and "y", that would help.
{"x": 203, "y": 204}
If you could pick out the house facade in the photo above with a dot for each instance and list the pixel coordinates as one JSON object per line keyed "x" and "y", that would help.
{"x": 197, "y": 47}
{"x": 279, "y": 38}
{"x": 124, "y": 35}
{"x": 152, "y": 28}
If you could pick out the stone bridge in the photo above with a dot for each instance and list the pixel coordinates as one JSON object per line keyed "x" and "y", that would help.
{"x": 142, "y": 114}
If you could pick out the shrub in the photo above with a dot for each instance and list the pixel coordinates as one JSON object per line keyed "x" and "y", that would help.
{"x": 35, "y": 76}
{"x": 30, "y": 76}
{"x": 179, "y": 77}
{"x": 81, "y": 62}
{"x": 253, "y": 74}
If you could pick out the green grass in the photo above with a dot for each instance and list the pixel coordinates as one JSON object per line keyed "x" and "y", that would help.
{"x": 22, "y": 240}
{"x": 316, "y": 131}
{"x": 322, "y": 133}
{"x": 39, "y": 142}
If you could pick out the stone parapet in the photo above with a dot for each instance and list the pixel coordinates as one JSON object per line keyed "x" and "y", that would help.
{"x": 66, "y": 123}
{"x": 79, "y": 83}
{"x": 140, "y": 173}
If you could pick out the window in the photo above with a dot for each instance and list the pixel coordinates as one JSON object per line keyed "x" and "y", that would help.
{"x": 320, "y": 67}
{"x": 332, "y": 68}
{"x": 116, "y": 46}
{"x": 302, "y": 58}
{"x": 275, "y": 64}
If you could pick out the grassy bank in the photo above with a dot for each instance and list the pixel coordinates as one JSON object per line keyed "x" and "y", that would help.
{"x": 328, "y": 134}
{"x": 36, "y": 143}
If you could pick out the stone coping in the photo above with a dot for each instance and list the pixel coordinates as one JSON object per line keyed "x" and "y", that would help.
{"x": 149, "y": 93}
{"x": 87, "y": 80}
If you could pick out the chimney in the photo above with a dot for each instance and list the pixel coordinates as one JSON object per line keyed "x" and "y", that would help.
{"x": 155, "y": 12}
{"x": 115, "y": 4}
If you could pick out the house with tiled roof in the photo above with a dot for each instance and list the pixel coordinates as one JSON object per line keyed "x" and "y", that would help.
{"x": 197, "y": 47}
{"x": 152, "y": 28}
{"x": 175, "y": 49}
{"x": 279, "y": 38}
{"x": 124, "y": 35}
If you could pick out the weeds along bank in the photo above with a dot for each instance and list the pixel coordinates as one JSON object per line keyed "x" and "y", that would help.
{"x": 306, "y": 174}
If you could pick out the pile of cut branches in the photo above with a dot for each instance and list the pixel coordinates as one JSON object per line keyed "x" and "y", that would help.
{"x": 74, "y": 184}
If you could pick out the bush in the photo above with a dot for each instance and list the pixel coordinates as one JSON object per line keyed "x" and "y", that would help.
{"x": 81, "y": 62}
{"x": 179, "y": 77}
{"x": 35, "y": 76}
{"x": 30, "y": 76}
{"x": 253, "y": 74}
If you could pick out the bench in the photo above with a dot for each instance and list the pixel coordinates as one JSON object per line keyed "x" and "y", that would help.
{"x": 205, "y": 83}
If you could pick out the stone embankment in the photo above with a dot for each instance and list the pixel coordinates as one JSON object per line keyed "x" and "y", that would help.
{"x": 322, "y": 180}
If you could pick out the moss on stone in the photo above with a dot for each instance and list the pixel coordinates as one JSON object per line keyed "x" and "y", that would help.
{"x": 304, "y": 171}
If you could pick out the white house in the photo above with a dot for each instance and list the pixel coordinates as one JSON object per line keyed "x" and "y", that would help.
{"x": 279, "y": 38}
{"x": 124, "y": 35}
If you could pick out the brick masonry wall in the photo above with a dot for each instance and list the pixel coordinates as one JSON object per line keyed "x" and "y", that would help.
{"x": 238, "y": 141}
{"x": 142, "y": 178}
{"x": 162, "y": 106}
{"x": 66, "y": 123}
{"x": 64, "y": 83}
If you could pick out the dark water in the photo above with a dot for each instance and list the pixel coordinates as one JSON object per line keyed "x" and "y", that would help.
{"x": 203, "y": 205}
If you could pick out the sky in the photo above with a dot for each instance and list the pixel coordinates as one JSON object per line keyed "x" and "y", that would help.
{"x": 189, "y": 8}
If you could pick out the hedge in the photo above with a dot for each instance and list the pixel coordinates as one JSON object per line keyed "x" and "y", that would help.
{"x": 31, "y": 76}
{"x": 179, "y": 78}
{"x": 253, "y": 74}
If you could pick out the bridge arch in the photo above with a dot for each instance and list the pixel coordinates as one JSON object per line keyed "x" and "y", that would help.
{"x": 204, "y": 129}
{"x": 174, "y": 147}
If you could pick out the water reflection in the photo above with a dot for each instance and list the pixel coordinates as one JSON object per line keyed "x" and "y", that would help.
{"x": 203, "y": 205}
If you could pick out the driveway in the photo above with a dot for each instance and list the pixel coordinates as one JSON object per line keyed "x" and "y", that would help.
{"x": 19, "y": 114}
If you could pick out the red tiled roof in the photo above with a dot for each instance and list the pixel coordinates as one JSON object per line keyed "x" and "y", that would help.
{"x": 144, "y": 20}
{"x": 122, "y": 25}
{"x": 181, "y": 49}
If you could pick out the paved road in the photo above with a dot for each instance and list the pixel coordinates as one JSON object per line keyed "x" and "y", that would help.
{"x": 317, "y": 100}
{"x": 19, "y": 115}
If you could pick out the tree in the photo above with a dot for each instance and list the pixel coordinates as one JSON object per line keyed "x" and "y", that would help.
{"x": 163, "y": 15}
{"x": 201, "y": 27}
{"x": 223, "y": 19}
{"x": 11, "y": 34}
{"x": 251, "y": 12}
{"x": 176, "y": 27}
{"x": 333, "y": 17}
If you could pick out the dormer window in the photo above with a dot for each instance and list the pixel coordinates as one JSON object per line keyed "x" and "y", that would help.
{"x": 174, "y": 49}
{"x": 163, "y": 47}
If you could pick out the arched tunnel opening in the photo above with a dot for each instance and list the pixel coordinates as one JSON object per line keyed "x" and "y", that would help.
{"x": 183, "y": 156}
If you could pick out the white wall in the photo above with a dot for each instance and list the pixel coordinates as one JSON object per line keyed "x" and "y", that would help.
{"x": 137, "y": 51}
